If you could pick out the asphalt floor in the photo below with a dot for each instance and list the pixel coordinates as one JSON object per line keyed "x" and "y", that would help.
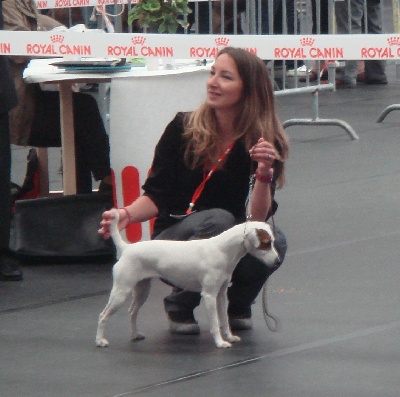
{"x": 336, "y": 295}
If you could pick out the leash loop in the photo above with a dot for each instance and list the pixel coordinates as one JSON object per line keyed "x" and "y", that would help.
{"x": 271, "y": 321}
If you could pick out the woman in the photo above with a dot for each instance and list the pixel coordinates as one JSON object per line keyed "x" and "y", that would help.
{"x": 200, "y": 174}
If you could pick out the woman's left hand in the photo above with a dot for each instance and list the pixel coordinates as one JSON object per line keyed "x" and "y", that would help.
{"x": 264, "y": 153}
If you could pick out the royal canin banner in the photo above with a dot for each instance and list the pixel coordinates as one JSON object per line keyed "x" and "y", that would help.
{"x": 190, "y": 46}
{"x": 45, "y": 4}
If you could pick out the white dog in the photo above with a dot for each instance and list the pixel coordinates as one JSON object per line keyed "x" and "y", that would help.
{"x": 204, "y": 266}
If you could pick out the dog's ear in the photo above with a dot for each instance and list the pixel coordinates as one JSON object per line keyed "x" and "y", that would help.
{"x": 265, "y": 239}
{"x": 259, "y": 238}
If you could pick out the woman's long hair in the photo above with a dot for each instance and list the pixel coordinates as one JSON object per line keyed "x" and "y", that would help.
{"x": 257, "y": 117}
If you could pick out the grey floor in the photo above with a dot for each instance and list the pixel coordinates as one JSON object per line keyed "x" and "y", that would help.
{"x": 336, "y": 296}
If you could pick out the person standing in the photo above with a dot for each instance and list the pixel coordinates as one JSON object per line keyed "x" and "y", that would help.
{"x": 365, "y": 17}
{"x": 8, "y": 100}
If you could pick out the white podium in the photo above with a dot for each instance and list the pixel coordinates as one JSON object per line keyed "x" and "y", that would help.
{"x": 140, "y": 109}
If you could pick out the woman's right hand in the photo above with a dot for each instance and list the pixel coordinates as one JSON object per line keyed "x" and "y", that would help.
{"x": 106, "y": 222}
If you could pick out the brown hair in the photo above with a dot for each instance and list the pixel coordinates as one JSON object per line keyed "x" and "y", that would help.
{"x": 256, "y": 119}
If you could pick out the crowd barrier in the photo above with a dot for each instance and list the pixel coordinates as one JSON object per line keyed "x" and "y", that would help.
{"x": 396, "y": 28}
{"x": 286, "y": 40}
{"x": 295, "y": 32}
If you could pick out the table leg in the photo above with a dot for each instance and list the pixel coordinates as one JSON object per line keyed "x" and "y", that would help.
{"x": 67, "y": 138}
{"x": 43, "y": 171}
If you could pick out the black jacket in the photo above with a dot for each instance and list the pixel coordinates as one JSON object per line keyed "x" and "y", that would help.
{"x": 8, "y": 94}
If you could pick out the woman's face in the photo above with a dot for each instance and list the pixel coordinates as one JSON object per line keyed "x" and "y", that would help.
{"x": 224, "y": 86}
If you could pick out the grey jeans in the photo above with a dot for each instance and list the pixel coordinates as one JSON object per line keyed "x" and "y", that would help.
{"x": 249, "y": 276}
{"x": 372, "y": 19}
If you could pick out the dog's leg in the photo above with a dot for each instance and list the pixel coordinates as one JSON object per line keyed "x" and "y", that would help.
{"x": 222, "y": 306}
{"x": 210, "y": 301}
{"x": 117, "y": 297}
{"x": 139, "y": 296}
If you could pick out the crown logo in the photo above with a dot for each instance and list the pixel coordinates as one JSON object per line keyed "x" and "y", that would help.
{"x": 394, "y": 40}
{"x": 307, "y": 41}
{"x": 57, "y": 38}
{"x": 221, "y": 41}
{"x": 140, "y": 40}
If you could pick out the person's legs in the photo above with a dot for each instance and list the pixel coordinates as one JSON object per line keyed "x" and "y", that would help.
{"x": 5, "y": 176}
{"x": 375, "y": 71}
{"x": 349, "y": 22}
{"x": 92, "y": 142}
{"x": 8, "y": 271}
{"x": 247, "y": 280}
{"x": 91, "y": 139}
{"x": 199, "y": 225}
{"x": 179, "y": 304}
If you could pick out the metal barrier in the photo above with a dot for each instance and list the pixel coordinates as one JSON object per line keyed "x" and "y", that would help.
{"x": 396, "y": 29}
{"x": 279, "y": 18}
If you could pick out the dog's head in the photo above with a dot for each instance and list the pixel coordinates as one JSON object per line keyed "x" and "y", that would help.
{"x": 259, "y": 242}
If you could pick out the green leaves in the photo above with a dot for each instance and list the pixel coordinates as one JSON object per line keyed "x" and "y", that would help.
{"x": 159, "y": 15}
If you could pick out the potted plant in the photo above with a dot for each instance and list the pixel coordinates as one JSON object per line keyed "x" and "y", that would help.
{"x": 160, "y": 15}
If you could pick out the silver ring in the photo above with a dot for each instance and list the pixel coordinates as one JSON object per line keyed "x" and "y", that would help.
{"x": 269, "y": 156}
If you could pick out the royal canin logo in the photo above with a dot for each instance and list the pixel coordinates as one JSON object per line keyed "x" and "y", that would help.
{"x": 394, "y": 41}
{"x": 137, "y": 49}
{"x": 384, "y": 52}
{"x": 138, "y": 40}
{"x": 307, "y": 41}
{"x": 58, "y": 47}
{"x": 308, "y": 50}
{"x": 212, "y": 52}
{"x": 57, "y": 38}
{"x": 222, "y": 41}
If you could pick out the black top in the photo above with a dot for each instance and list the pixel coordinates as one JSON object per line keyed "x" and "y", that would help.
{"x": 171, "y": 183}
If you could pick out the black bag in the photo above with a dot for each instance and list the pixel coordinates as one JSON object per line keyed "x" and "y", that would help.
{"x": 62, "y": 228}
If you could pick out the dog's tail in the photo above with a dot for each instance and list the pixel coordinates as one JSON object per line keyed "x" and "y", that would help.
{"x": 115, "y": 234}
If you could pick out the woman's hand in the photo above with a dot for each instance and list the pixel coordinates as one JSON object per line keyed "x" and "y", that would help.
{"x": 106, "y": 222}
{"x": 264, "y": 153}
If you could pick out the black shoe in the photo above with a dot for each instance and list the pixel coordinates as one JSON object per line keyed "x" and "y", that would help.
{"x": 240, "y": 323}
{"x": 9, "y": 271}
{"x": 183, "y": 323}
{"x": 240, "y": 318}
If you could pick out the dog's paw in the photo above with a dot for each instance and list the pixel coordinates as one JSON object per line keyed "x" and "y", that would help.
{"x": 102, "y": 342}
{"x": 233, "y": 338}
{"x": 137, "y": 337}
{"x": 224, "y": 344}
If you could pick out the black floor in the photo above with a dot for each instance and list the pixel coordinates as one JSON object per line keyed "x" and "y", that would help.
{"x": 337, "y": 294}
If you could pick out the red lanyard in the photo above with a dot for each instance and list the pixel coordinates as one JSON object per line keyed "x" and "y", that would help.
{"x": 200, "y": 188}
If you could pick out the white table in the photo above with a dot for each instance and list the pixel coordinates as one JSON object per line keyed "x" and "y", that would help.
{"x": 135, "y": 103}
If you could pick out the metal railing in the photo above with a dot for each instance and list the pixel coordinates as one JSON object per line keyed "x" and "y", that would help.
{"x": 264, "y": 17}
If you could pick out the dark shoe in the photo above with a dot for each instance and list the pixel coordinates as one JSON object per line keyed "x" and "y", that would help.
{"x": 9, "y": 271}
{"x": 362, "y": 78}
{"x": 376, "y": 81}
{"x": 183, "y": 323}
{"x": 30, "y": 186}
{"x": 313, "y": 76}
{"x": 240, "y": 323}
{"x": 340, "y": 84}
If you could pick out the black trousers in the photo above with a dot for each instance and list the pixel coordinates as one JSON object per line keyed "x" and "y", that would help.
{"x": 248, "y": 277}
{"x": 5, "y": 176}
{"x": 92, "y": 149}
